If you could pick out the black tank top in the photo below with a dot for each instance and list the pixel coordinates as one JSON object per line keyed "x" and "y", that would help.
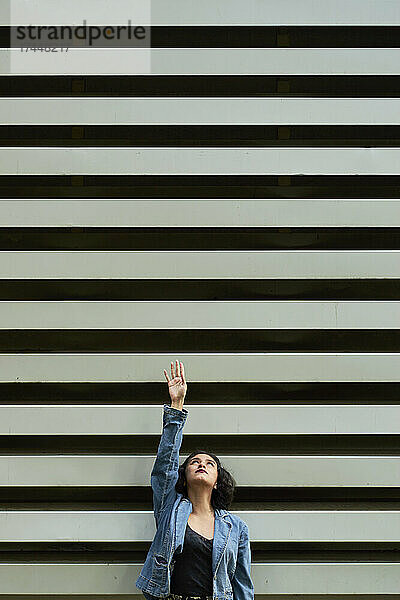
{"x": 192, "y": 573}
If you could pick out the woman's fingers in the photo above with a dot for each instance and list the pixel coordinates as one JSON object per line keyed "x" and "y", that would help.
{"x": 176, "y": 371}
{"x": 183, "y": 373}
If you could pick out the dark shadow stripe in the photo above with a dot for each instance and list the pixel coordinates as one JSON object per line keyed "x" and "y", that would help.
{"x": 109, "y": 552}
{"x": 198, "y": 340}
{"x": 219, "y": 393}
{"x": 147, "y": 444}
{"x": 202, "y": 85}
{"x": 200, "y": 135}
{"x": 257, "y": 445}
{"x": 199, "y": 238}
{"x": 204, "y": 186}
{"x": 259, "y": 36}
{"x": 192, "y": 289}
{"x": 245, "y": 498}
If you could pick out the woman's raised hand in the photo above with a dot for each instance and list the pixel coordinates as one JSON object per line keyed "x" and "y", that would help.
{"x": 176, "y": 385}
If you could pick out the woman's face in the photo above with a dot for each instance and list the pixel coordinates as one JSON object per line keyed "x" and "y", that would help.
{"x": 201, "y": 471}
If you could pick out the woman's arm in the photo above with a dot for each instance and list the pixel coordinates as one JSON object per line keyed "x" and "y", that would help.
{"x": 242, "y": 584}
{"x": 164, "y": 474}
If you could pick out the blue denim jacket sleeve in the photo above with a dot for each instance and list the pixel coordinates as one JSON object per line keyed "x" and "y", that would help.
{"x": 164, "y": 474}
{"x": 242, "y": 585}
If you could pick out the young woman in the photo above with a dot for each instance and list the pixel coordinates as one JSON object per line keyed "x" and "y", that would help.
{"x": 200, "y": 550}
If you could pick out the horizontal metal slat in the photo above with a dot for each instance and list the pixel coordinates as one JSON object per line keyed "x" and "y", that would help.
{"x": 202, "y": 61}
{"x": 199, "y": 111}
{"x": 270, "y": 314}
{"x": 68, "y": 419}
{"x": 200, "y": 213}
{"x": 255, "y": 471}
{"x": 234, "y": 367}
{"x": 204, "y": 264}
{"x": 285, "y": 366}
{"x": 269, "y": 578}
{"x": 139, "y": 526}
{"x": 184, "y": 12}
{"x": 199, "y": 161}
{"x": 277, "y": 577}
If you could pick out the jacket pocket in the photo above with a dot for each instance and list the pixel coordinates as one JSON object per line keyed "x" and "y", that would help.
{"x": 160, "y": 569}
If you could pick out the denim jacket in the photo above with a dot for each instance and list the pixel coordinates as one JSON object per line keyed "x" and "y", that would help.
{"x": 231, "y": 555}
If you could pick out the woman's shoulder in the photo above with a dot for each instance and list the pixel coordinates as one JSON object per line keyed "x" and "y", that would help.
{"x": 235, "y": 520}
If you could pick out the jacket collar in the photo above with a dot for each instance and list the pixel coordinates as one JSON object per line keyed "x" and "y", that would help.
{"x": 222, "y": 531}
{"x": 221, "y": 512}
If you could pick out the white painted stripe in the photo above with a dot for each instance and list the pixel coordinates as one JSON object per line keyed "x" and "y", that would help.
{"x": 200, "y": 212}
{"x": 256, "y": 471}
{"x": 172, "y": 314}
{"x": 206, "y": 367}
{"x": 139, "y": 526}
{"x": 202, "y": 61}
{"x": 276, "y": 577}
{"x": 199, "y": 161}
{"x": 190, "y": 12}
{"x": 115, "y": 419}
{"x": 203, "y": 264}
{"x": 199, "y": 111}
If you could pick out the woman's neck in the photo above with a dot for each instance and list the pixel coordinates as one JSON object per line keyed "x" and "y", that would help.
{"x": 201, "y": 504}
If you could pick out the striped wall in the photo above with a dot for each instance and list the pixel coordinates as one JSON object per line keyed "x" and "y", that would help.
{"x": 235, "y": 206}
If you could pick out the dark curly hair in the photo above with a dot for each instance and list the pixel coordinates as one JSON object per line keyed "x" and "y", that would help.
{"x": 222, "y": 495}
